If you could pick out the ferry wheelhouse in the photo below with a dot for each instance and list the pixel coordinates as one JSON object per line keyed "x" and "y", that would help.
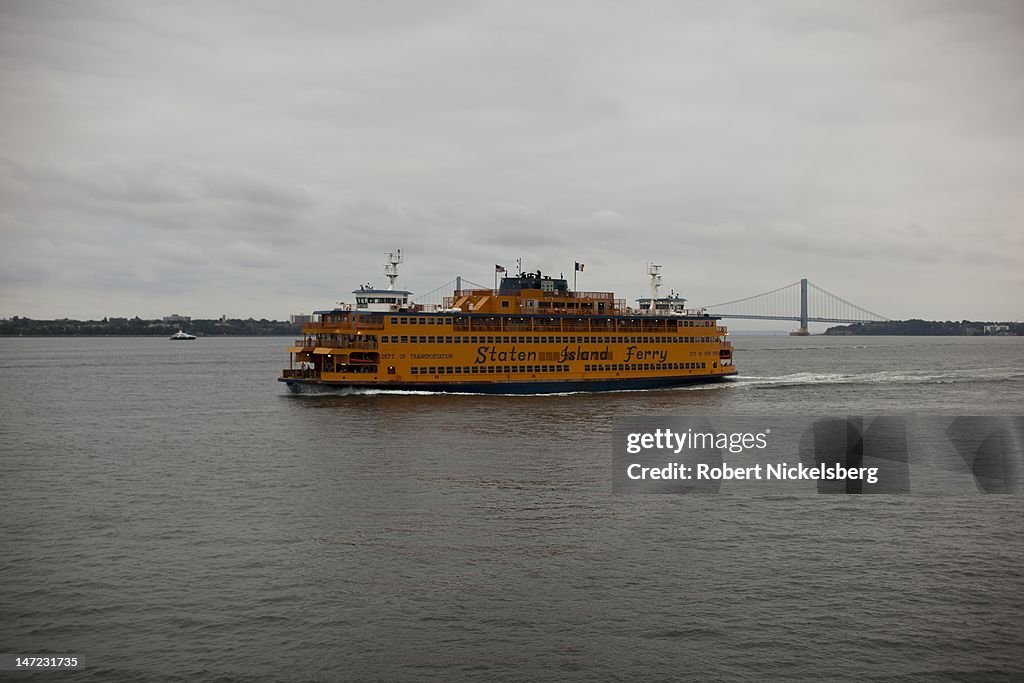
{"x": 532, "y": 334}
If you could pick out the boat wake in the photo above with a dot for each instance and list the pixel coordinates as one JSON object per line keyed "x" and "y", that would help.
{"x": 313, "y": 391}
{"x": 884, "y": 377}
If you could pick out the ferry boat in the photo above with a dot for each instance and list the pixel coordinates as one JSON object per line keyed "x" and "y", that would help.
{"x": 181, "y": 335}
{"x": 530, "y": 335}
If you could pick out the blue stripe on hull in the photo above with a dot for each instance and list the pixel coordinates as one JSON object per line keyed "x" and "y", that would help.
{"x": 298, "y": 386}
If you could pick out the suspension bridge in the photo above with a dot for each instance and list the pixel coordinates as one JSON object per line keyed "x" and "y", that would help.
{"x": 802, "y": 301}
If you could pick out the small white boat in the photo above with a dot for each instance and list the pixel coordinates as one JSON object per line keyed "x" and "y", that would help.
{"x": 181, "y": 335}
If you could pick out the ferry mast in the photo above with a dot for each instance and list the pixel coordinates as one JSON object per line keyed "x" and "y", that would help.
{"x": 391, "y": 267}
{"x": 655, "y": 272}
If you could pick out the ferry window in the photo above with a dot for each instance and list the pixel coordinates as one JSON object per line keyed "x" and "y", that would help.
{"x": 490, "y": 340}
{"x": 508, "y": 370}
{"x": 447, "y": 340}
{"x": 449, "y": 370}
{"x": 447, "y": 321}
{"x": 515, "y": 368}
{"x": 405, "y": 340}
{"x": 431, "y": 371}
{"x": 475, "y": 370}
{"x": 504, "y": 304}
{"x": 394, "y": 321}
{"x": 391, "y": 369}
{"x": 472, "y": 340}
{"x": 404, "y": 321}
{"x": 490, "y": 369}
{"x": 415, "y": 371}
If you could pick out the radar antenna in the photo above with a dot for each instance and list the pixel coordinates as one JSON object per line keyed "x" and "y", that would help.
{"x": 391, "y": 267}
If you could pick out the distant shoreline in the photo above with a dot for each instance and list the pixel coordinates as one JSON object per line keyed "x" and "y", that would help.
{"x": 137, "y": 327}
{"x": 929, "y": 328}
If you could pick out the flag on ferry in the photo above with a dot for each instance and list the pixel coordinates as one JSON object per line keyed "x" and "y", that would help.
{"x": 499, "y": 269}
{"x": 579, "y": 266}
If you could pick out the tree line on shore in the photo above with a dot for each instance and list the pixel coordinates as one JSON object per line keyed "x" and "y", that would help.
{"x": 109, "y": 327}
{"x": 963, "y": 328}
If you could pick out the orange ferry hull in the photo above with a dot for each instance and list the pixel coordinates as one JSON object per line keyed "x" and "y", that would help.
{"x": 306, "y": 386}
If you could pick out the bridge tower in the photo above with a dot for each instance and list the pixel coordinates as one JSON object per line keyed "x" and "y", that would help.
{"x": 803, "y": 308}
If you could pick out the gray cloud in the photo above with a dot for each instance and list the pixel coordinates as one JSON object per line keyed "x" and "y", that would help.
{"x": 258, "y": 159}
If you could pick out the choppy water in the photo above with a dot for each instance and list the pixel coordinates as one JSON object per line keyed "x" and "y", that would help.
{"x": 168, "y": 511}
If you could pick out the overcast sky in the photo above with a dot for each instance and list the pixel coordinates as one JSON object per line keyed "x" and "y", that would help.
{"x": 258, "y": 158}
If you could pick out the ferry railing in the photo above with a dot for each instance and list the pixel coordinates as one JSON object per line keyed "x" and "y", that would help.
{"x": 299, "y": 373}
{"x": 343, "y": 325}
{"x": 368, "y": 346}
{"x": 655, "y": 325}
{"x": 600, "y": 296}
{"x": 336, "y": 344}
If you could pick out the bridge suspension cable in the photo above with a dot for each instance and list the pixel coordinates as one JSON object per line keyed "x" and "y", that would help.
{"x": 868, "y": 315}
{"x": 802, "y": 301}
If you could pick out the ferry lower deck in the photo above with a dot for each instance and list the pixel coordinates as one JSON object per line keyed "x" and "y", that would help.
{"x": 506, "y": 354}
